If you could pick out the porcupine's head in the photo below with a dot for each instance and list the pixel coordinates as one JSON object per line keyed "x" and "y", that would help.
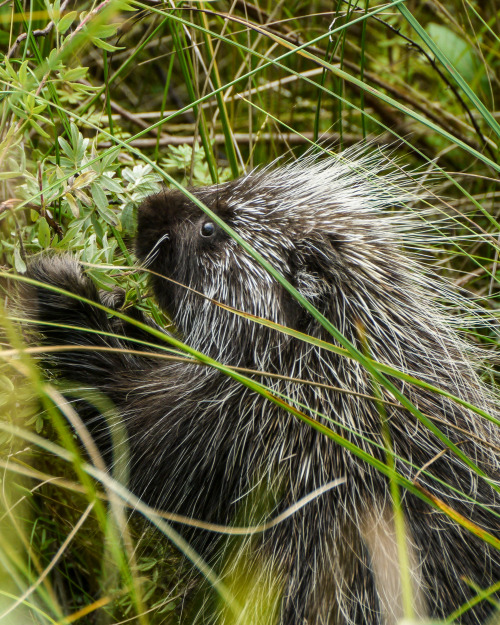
{"x": 322, "y": 223}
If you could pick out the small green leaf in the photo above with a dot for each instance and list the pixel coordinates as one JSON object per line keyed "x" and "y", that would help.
{"x": 43, "y": 232}
{"x": 111, "y": 185}
{"x": 65, "y": 146}
{"x": 36, "y": 110}
{"x": 23, "y": 72}
{"x": 72, "y": 204}
{"x": 11, "y": 70}
{"x": 123, "y": 5}
{"x": 43, "y": 119}
{"x": 19, "y": 263}
{"x": 127, "y": 218}
{"x": 98, "y": 229}
{"x": 83, "y": 197}
{"x": 104, "y": 30}
{"x": 38, "y": 128}
{"x": 39, "y": 424}
{"x": 66, "y": 21}
{"x": 54, "y": 62}
{"x": 103, "y": 281}
{"x": 99, "y": 197}
{"x": 109, "y": 217}
{"x": 74, "y": 133}
{"x": 105, "y": 46}
{"x": 6, "y": 384}
{"x": 75, "y": 73}
{"x": 84, "y": 179}
{"x": 460, "y": 53}
{"x": 109, "y": 159}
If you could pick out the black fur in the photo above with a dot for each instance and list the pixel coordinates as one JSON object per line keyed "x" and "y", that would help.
{"x": 205, "y": 446}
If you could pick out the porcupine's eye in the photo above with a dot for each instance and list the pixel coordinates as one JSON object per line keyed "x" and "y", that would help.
{"x": 207, "y": 229}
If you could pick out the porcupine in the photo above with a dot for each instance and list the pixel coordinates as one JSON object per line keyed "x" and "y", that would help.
{"x": 201, "y": 442}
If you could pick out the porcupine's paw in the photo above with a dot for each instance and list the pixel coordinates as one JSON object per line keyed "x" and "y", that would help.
{"x": 63, "y": 301}
{"x": 67, "y": 312}
{"x": 60, "y": 315}
{"x": 127, "y": 331}
{"x": 63, "y": 295}
{"x": 114, "y": 299}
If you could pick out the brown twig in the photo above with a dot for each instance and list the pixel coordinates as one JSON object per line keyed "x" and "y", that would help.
{"x": 36, "y": 33}
{"x": 243, "y": 137}
{"x": 11, "y": 204}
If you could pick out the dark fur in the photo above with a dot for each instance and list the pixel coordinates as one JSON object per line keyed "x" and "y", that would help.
{"x": 200, "y": 442}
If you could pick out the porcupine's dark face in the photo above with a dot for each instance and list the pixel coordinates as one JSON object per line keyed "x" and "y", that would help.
{"x": 177, "y": 240}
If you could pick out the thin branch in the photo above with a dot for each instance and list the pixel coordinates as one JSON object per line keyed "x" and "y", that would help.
{"x": 244, "y": 137}
{"x": 36, "y": 33}
{"x": 10, "y": 204}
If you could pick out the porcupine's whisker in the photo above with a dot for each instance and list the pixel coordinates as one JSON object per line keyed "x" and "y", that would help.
{"x": 155, "y": 250}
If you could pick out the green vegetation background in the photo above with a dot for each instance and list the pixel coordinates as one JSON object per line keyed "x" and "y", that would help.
{"x": 101, "y": 104}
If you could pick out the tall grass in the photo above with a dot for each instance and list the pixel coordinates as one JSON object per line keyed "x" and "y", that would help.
{"x": 104, "y": 102}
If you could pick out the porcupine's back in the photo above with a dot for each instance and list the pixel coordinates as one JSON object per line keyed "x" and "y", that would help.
{"x": 336, "y": 229}
{"x": 200, "y": 443}
{"x": 340, "y": 232}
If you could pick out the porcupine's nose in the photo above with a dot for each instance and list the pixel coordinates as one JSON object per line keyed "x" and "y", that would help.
{"x": 157, "y": 219}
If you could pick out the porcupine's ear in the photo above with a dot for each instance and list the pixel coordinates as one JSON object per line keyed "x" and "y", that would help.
{"x": 312, "y": 268}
